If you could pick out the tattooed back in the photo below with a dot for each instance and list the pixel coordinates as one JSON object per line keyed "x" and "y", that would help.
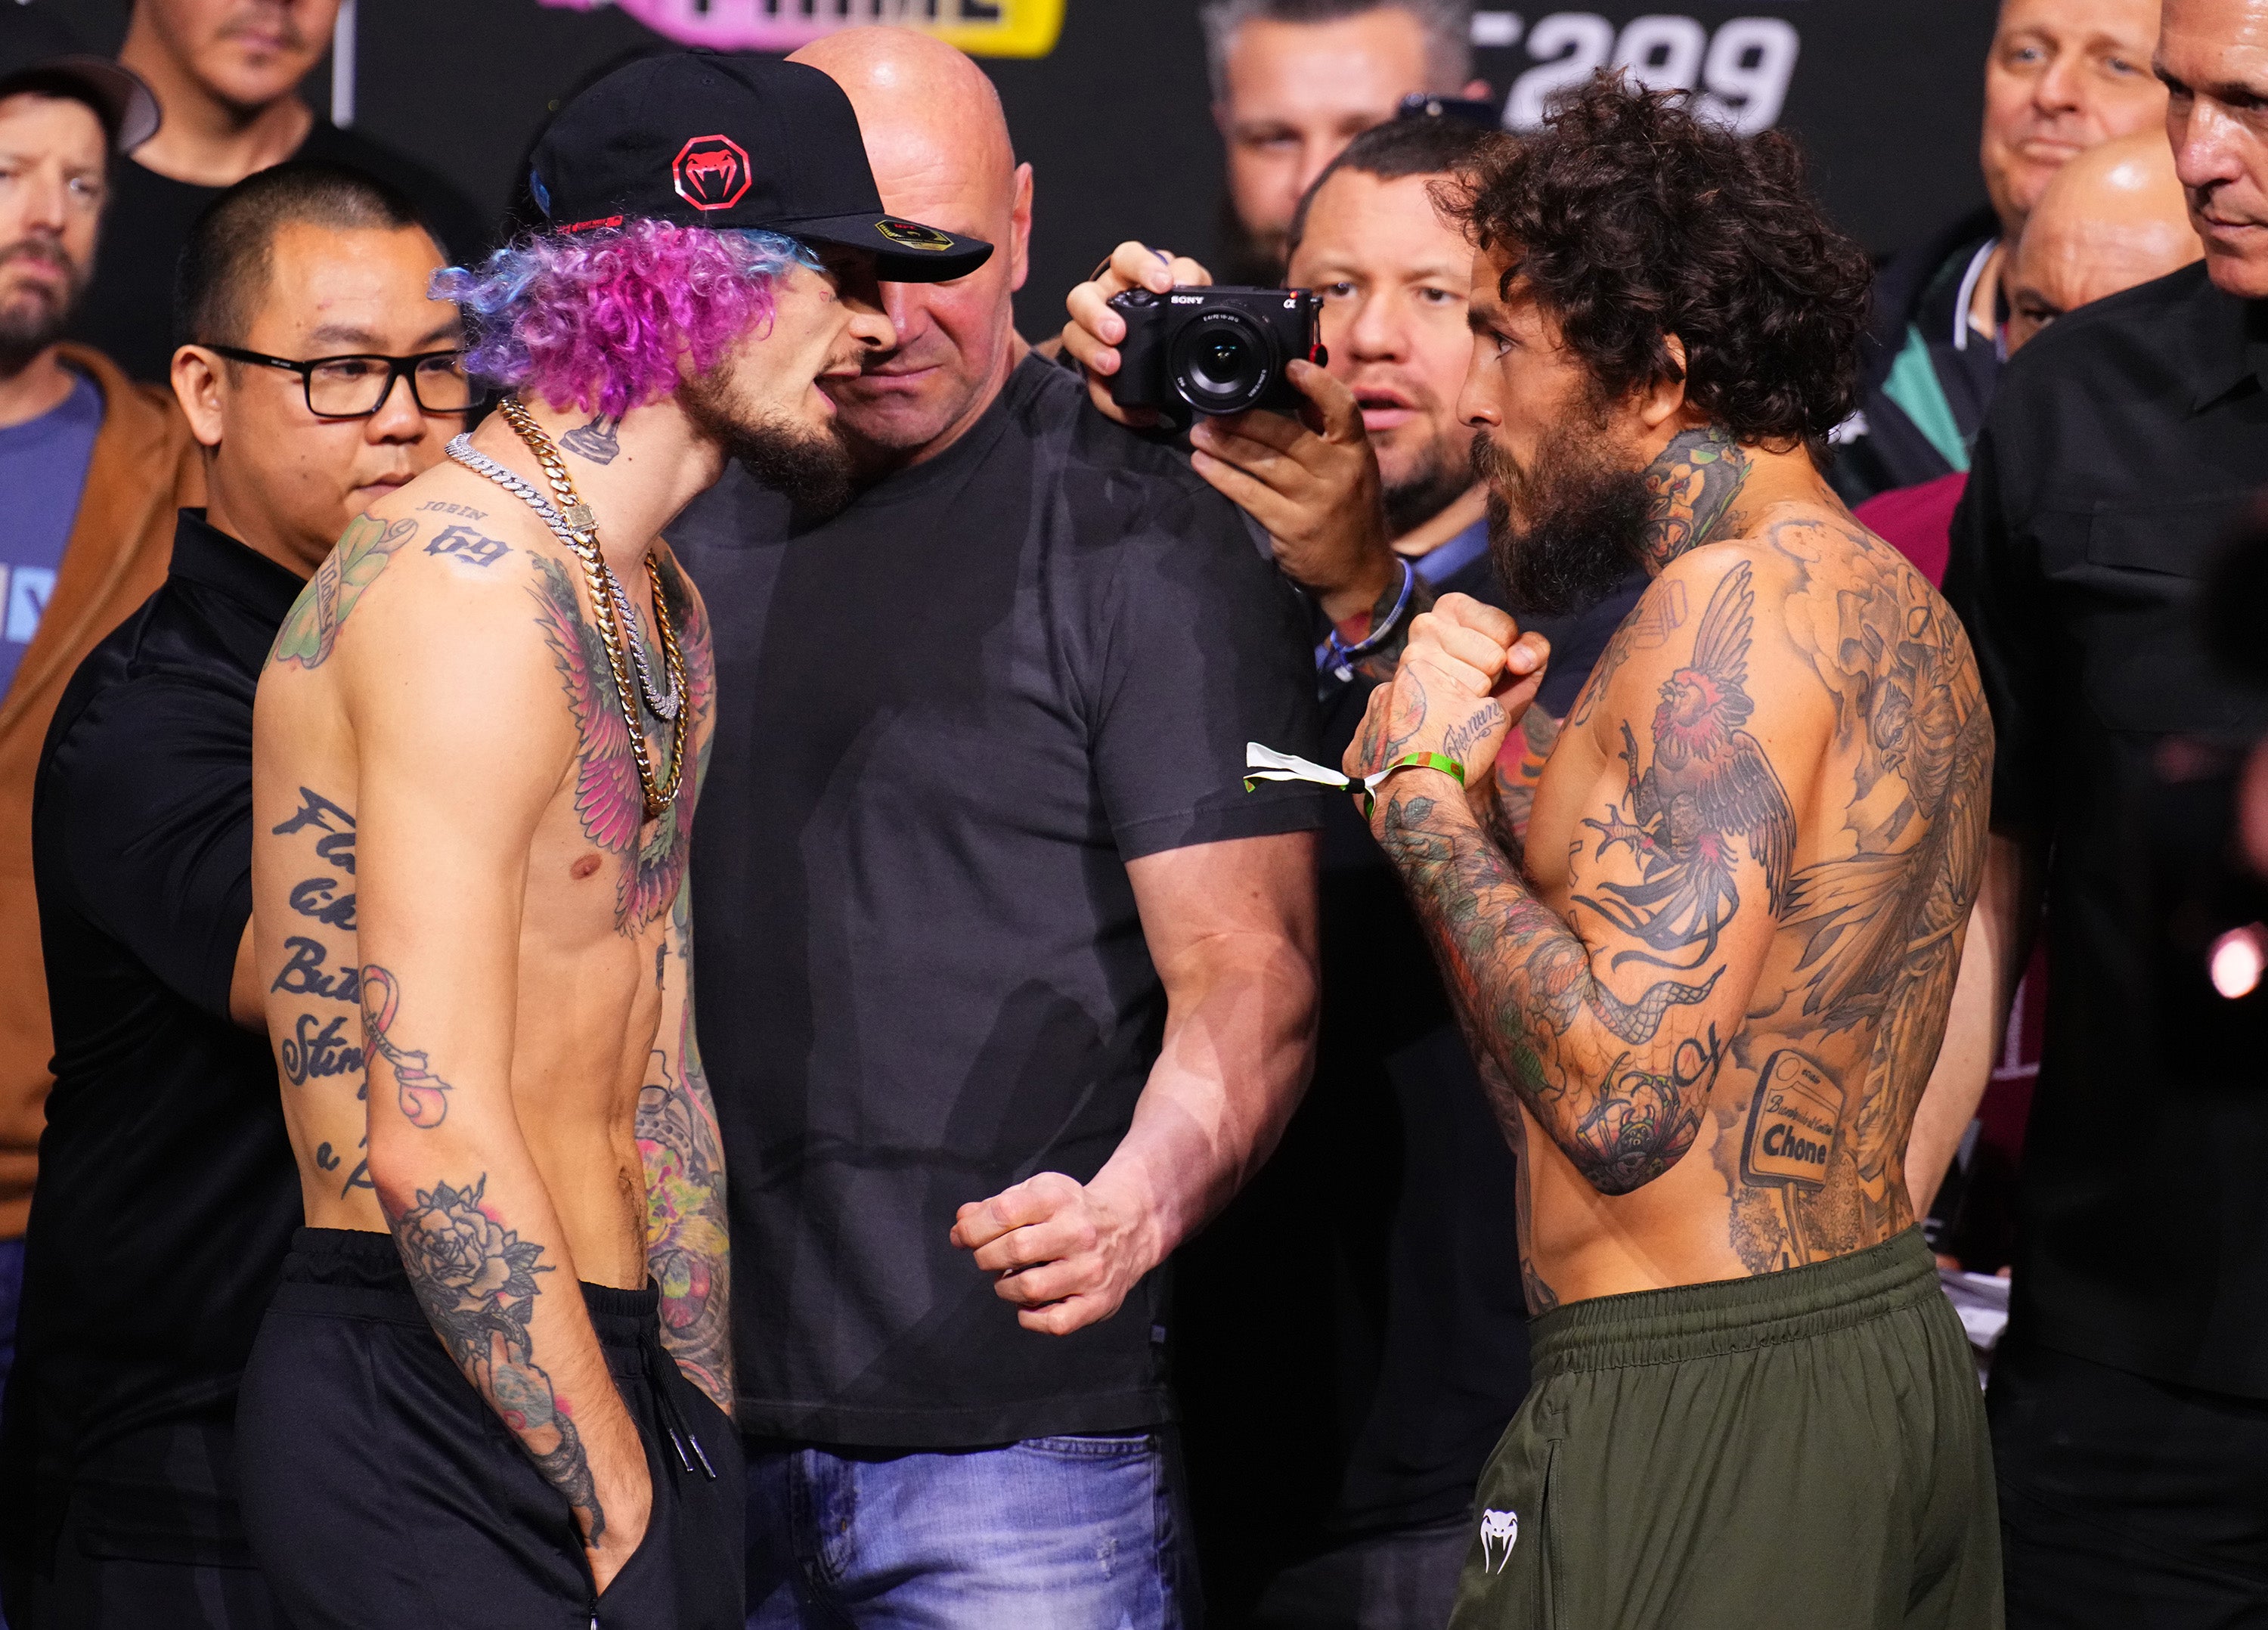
{"x": 462, "y": 914}
{"x": 1764, "y": 822}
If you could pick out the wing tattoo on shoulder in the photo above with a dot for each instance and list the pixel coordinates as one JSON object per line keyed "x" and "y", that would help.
{"x": 1709, "y": 783}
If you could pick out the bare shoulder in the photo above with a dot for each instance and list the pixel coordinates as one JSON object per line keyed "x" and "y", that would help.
{"x": 428, "y": 565}
{"x": 1707, "y": 633}
{"x": 1863, "y": 618}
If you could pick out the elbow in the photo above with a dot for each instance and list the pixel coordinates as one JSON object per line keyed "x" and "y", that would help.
{"x": 1621, "y": 1156}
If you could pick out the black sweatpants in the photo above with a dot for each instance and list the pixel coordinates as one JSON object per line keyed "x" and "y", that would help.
{"x": 2127, "y": 1503}
{"x": 382, "y": 1492}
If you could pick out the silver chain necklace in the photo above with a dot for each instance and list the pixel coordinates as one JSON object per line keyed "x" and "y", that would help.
{"x": 664, "y": 704}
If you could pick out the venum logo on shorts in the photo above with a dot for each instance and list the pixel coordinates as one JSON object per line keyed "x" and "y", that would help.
{"x": 1499, "y": 1532}
{"x": 1793, "y": 1123}
{"x": 712, "y": 173}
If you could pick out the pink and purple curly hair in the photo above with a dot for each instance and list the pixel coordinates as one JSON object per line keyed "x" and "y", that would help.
{"x": 601, "y": 320}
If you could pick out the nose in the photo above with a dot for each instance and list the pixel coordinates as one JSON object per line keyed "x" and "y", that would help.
{"x": 2057, "y": 89}
{"x": 43, "y": 204}
{"x": 1374, "y": 333}
{"x": 399, "y": 417}
{"x": 903, "y": 308}
{"x": 875, "y": 326}
{"x": 1476, "y": 408}
{"x": 2206, "y": 145}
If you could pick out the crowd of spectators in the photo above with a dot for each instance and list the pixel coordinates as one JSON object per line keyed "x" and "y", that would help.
{"x": 930, "y": 997}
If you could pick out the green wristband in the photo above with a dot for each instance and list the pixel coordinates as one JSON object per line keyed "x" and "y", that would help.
{"x": 1441, "y": 762}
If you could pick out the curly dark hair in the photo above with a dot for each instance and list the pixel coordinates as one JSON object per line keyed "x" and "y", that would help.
{"x": 1632, "y": 219}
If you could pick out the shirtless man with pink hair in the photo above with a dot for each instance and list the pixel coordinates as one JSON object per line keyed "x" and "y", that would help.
{"x": 478, "y": 741}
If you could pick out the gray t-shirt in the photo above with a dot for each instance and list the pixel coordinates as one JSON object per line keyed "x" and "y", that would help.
{"x": 946, "y": 720}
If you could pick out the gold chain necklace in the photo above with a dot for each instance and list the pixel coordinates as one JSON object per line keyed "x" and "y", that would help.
{"x": 579, "y": 533}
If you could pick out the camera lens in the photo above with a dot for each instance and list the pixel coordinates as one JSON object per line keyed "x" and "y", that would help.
{"x": 1222, "y": 362}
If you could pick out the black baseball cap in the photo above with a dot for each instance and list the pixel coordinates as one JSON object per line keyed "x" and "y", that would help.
{"x": 732, "y": 142}
{"x": 37, "y": 46}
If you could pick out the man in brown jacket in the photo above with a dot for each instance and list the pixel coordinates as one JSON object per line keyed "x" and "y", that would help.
{"x": 79, "y": 551}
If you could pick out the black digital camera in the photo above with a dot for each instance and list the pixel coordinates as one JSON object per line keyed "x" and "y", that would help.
{"x": 1218, "y": 351}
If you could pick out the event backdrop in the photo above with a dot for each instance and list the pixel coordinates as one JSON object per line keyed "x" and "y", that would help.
{"x": 1108, "y": 98}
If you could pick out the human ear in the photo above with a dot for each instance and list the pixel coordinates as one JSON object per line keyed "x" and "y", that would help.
{"x": 197, "y": 387}
{"x": 1664, "y": 399}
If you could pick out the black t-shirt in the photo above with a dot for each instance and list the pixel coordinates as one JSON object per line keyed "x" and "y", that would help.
{"x": 127, "y": 313}
{"x": 166, "y": 1193}
{"x": 2123, "y": 443}
{"x": 947, "y": 720}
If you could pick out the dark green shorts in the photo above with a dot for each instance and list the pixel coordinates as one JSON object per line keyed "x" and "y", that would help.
{"x": 1801, "y": 1448}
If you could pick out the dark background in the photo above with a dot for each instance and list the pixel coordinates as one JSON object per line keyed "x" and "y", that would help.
{"x": 1116, "y": 124}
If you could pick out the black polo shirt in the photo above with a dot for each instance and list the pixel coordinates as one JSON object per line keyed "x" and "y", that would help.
{"x": 166, "y": 1193}
{"x": 2123, "y": 444}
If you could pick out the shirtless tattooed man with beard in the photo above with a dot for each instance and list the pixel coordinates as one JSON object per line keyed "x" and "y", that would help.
{"x": 1706, "y": 995}
{"x": 477, "y": 744}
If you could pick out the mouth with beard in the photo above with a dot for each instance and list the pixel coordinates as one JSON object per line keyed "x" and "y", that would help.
{"x": 1565, "y": 532}
{"x": 811, "y": 465}
{"x": 1439, "y": 480}
{"x": 33, "y": 315}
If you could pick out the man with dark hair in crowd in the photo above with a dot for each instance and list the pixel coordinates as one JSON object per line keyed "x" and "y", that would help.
{"x": 1707, "y": 990}
{"x": 1294, "y": 81}
{"x": 228, "y": 74}
{"x": 2061, "y": 76}
{"x": 92, "y": 468}
{"x": 1007, "y": 986}
{"x": 490, "y": 709}
{"x": 2130, "y": 1395}
{"x": 1356, "y": 1282}
{"x": 166, "y": 1193}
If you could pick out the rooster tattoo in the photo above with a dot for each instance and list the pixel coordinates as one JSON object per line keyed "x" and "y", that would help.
{"x": 1709, "y": 783}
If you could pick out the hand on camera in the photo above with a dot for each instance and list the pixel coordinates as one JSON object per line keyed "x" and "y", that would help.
{"x": 1094, "y": 330}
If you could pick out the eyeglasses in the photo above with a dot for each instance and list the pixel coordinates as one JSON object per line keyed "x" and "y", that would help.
{"x": 355, "y": 388}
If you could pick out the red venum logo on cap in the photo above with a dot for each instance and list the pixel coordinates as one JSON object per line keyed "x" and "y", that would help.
{"x": 712, "y": 173}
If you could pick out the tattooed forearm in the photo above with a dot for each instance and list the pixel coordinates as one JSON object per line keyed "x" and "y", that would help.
{"x": 422, "y": 1095}
{"x": 1539, "y": 1011}
{"x": 475, "y": 1280}
{"x": 1519, "y": 768}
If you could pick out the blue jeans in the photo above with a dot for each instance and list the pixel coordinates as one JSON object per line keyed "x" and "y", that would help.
{"x": 1053, "y": 1533}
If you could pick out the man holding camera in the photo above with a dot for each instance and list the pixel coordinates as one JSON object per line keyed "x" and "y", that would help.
{"x": 1009, "y": 984}
{"x": 1339, "y": 1405}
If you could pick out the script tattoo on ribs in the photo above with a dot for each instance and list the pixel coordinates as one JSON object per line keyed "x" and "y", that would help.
{"x": 319, "y": 964}
{"x": 475, "y": 1280}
